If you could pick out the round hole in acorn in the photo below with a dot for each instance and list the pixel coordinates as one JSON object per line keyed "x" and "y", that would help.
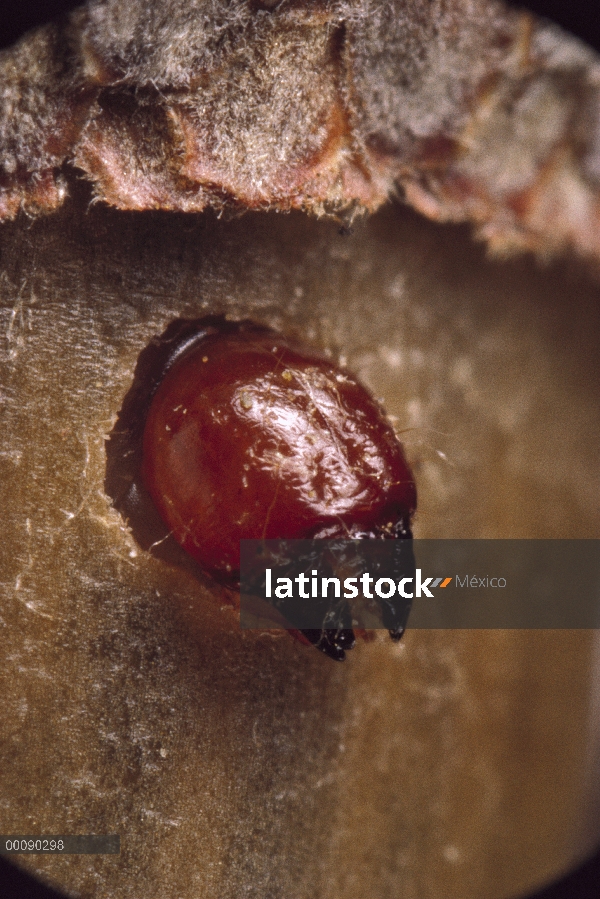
{"x": 233, "y": 431}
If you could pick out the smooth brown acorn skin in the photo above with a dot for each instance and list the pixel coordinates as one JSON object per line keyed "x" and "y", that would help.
{"x": 251, "y": 437}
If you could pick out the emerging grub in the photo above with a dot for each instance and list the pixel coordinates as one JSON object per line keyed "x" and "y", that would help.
{"x": 233, "y": 432}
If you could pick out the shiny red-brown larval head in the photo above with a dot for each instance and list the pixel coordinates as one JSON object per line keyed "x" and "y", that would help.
{"x": 251, "y": 437}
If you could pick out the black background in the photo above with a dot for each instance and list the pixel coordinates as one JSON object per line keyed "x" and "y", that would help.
{"x": 582, "y": 18}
